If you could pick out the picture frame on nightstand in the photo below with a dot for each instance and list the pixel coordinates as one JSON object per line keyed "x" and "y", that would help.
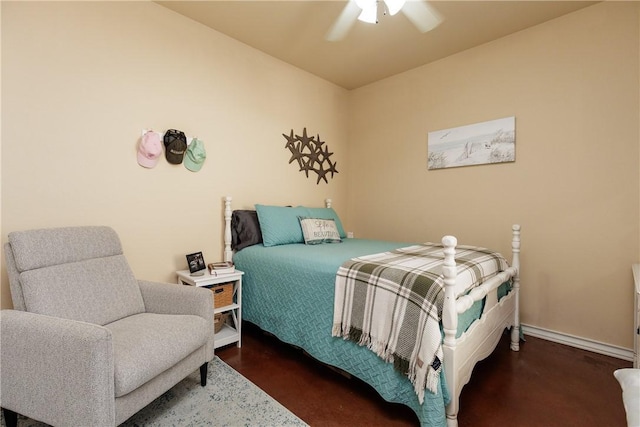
{"x": 196, "y": 263}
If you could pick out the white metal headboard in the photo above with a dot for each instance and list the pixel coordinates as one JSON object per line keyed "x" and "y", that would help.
{"x": 228, "y": 253}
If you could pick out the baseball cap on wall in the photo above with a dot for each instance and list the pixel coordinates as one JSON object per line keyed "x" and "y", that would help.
{"x": 195, "y": 155}
{"x": 149, "y": 149}
{"x": 175, "y": 144}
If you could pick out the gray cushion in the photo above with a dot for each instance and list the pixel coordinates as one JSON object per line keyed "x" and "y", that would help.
{"x": 45, "y": 247}
{"x": 97, "y": 291}
{"x": 155, "y": 341}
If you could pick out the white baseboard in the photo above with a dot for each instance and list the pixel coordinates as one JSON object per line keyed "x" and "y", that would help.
{"x": 579, "y": 342}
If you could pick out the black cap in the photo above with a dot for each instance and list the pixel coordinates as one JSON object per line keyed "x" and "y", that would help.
{"x": 175, "y": 144}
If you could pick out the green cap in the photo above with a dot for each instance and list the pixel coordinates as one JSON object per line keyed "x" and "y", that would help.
{"x": 195, "y": 155}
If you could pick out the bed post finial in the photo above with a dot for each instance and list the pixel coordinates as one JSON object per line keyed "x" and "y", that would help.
{"x": 228, "y": 253}
{"x": 449, "y": 311}
{"x": 327, "y": 202}
{"x": 515, "y": 250}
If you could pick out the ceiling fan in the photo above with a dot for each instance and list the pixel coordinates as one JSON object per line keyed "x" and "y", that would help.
{"x": 419, "y": 12}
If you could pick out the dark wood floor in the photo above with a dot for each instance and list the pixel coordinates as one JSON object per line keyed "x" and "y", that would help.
{"x": 544, "y": 385}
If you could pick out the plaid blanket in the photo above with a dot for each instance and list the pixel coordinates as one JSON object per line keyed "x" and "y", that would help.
{"x": 392, "y": 303}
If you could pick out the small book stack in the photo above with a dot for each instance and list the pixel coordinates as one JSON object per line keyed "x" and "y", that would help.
{"x": 221, "y": 268}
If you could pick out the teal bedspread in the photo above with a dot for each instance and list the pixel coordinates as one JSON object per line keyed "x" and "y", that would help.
{"x": 288, "y": 290}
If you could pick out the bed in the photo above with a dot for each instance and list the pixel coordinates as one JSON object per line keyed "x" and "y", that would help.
{"x": 289, "y": 291}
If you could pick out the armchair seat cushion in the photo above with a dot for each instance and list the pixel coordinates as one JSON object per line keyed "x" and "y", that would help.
{"x": 155, "y": 341}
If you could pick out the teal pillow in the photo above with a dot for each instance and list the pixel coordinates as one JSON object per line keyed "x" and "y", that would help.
{"x": 280, "y": 225}
{"x": 327, "y": 213}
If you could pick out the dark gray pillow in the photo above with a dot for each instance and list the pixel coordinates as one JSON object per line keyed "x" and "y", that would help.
{"x": 245, "y": 229}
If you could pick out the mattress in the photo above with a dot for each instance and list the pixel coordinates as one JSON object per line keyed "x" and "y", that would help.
{"x": 288, "y": 290}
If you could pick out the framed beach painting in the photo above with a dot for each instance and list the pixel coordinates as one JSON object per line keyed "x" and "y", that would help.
{"x": 482, "y": 143}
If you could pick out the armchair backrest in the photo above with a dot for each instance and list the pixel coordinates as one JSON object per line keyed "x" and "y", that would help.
{"x": 77, "y": 273}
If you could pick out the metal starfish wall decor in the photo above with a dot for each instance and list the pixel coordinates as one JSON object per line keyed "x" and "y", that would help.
{"x": 311, "y": 153}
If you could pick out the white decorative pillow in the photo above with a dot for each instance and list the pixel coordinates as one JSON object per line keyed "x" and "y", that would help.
{"x": 629, "y": 380}
{"x": 318, "y": 230}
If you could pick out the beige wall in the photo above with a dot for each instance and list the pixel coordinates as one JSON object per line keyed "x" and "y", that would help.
{"x": 81, "y": 79}
{"x": 572, "y": 85}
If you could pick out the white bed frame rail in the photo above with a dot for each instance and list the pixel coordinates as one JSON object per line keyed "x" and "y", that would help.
{"x": 460, "y": 354}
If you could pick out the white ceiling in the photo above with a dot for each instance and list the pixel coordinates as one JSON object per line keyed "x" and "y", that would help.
{"x": 294, "y": 31}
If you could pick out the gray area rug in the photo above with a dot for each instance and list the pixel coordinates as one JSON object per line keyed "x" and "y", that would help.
{"x": 229, "y": 399}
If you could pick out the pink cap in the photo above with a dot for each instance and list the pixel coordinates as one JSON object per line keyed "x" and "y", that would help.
{"x": 149, "y": 150}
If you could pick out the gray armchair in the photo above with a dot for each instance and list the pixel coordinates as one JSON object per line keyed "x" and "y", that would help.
{"x": 86, "y": 343}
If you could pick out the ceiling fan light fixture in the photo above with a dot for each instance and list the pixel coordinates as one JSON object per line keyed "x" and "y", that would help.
{"x": 394, "y": 6}
{"x": 369, "y": 14}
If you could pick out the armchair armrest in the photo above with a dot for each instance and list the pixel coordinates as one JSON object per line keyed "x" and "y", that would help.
{"x": 165, "y": 298}
{"x": 64, "y": 365}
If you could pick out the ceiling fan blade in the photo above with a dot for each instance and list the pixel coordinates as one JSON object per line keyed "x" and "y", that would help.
{"x": 422, "y": 15}
{"x": 345, "y": 21}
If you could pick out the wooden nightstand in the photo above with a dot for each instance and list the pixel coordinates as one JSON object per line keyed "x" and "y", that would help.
{"x": 231, "y": 330}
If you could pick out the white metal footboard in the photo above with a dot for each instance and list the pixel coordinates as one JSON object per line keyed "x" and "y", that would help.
{"x": 461, "y": 354}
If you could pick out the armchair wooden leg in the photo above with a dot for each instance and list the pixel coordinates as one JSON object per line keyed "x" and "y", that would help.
{"x": 203, "y": 374}
{"x": 10, "y": 417}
